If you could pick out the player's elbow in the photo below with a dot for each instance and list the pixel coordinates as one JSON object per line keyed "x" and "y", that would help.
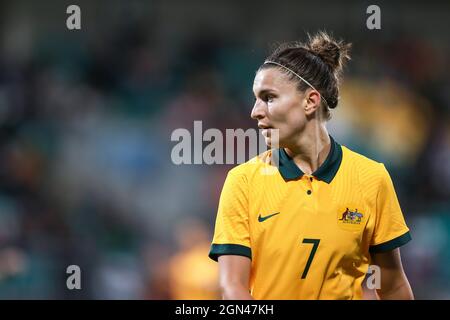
{"x": 396, "y": 289}
{"x": 234, "y": 277}
{"x": 234, "y": 290}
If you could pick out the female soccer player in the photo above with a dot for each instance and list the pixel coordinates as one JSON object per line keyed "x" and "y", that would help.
{"x": 311, "y": 229}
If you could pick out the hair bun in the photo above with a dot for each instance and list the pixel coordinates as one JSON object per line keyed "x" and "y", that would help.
{"x": 335, "y": 53}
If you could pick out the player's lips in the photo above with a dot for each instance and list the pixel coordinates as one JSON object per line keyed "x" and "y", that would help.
{"x": 264, "y": 126}
{"x": 265, "y": 129}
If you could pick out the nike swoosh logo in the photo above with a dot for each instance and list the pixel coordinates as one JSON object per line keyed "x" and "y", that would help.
{"x": 261, "y": 219}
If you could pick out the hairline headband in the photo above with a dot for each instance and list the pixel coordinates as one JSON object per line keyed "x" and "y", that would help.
{"x": 300, "y": 77}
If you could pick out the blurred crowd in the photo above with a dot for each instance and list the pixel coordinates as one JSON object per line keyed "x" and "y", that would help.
{"x": 85, "y": 171}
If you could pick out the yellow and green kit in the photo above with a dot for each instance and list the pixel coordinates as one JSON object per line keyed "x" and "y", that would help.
{"x": 308, "y": 236}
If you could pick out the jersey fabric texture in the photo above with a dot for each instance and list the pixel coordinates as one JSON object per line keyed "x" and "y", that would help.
{"x": 308, "y": 236}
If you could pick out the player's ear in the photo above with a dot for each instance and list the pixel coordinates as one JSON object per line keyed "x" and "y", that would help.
{"x": 312, "y": 101}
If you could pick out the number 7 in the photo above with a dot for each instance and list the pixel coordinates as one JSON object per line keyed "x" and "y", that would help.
{"x": 315, "y": 243}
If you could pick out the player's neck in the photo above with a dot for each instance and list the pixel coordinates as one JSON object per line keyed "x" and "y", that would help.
{"x": 311, "y": 148}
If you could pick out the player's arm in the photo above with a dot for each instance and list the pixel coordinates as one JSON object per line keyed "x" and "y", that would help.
{"x": 390, "y": 233}
{"x": 394, "y": 283}
{"x": 234, "y": 275}
{"x": 231, "y": 245}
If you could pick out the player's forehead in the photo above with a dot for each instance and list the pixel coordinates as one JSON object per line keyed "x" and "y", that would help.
{"x": 270, "y": 79}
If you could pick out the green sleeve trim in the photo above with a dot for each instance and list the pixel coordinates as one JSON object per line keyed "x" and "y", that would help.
{"x": 391, "y": 244}
{"x": 229, "y": 249}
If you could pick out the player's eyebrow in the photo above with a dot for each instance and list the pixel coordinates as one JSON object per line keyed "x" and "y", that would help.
{"x": 263, "y": 92}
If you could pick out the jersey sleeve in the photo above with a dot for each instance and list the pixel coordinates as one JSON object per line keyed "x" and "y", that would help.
{"x": 390, "y": 230}
{"x": 231, "y": 234}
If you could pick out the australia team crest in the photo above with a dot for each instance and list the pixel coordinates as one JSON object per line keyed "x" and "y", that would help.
{"x": 351, "y": 218}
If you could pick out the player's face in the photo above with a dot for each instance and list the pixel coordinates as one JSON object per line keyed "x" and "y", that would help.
{"x": 278, "y": 105}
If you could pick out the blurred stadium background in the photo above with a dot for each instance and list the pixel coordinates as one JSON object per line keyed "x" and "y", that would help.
{"x": 86, "y": 118}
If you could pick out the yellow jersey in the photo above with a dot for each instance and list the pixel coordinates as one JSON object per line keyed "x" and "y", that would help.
{"x": 308, "y": 236}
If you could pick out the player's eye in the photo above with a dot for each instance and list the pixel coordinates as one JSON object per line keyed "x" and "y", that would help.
{"x": 269, "y": 98}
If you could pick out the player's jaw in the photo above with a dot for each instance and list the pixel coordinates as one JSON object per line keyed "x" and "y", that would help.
{"x": 270, "y": 132}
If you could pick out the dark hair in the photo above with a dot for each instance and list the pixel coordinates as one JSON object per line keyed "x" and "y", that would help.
{"x": 319, "y": 61}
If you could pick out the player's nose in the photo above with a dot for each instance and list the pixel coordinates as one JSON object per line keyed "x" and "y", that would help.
{"x": 258, "y": 111}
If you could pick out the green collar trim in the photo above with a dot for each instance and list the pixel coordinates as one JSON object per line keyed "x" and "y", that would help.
{"x": 326, "y": 172}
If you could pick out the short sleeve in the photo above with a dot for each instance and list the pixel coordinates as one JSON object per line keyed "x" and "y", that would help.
{"x": 231, "y": 234}
{"x": 390, "y": 231}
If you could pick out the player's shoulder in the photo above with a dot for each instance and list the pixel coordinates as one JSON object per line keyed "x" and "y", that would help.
{"x": 254, "y": 165}
{"x": 367, "y": 168}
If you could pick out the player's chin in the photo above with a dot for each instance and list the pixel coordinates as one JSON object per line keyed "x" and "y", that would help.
{"x": 271, "y": 137}
{"x": 273, "y": 141}
{"x": 270, "y": 143}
